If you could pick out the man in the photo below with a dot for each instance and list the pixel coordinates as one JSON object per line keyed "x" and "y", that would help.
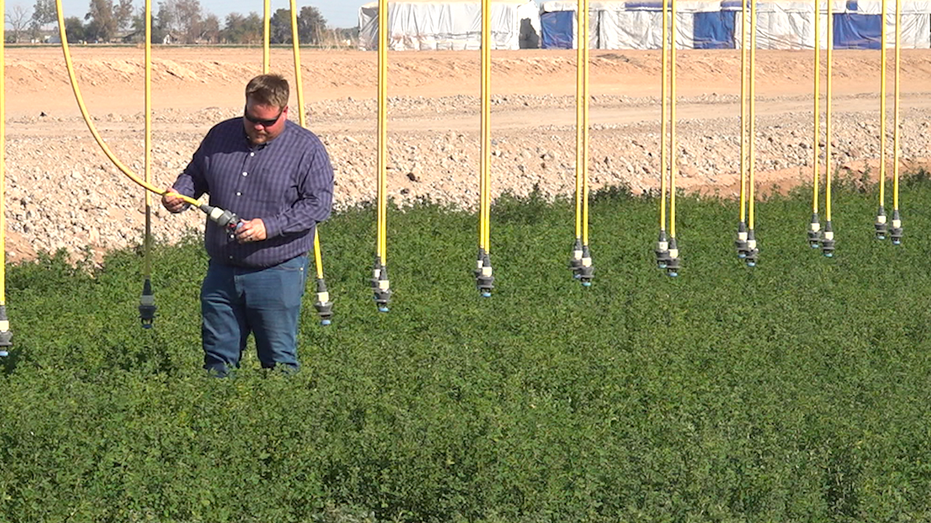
{"x": 277, "y": 177}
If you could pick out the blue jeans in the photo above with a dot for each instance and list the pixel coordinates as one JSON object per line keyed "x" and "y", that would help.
{"x": 236, "y": 301}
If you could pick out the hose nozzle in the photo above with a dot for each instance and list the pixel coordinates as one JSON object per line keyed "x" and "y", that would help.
{"x": 381, "y": 286}
{"x": 814, "y": 232}
{"x": 226, "y": 219}
{"x": 896, "y": 232}
{"x": 147, "y": 306}
{"x": 662, "y": 250}
{"x": 881, "y": 226}
{"x": 587, "y": 270}
{"x": 827, "y": 241}
{"x": 575, "y": 263}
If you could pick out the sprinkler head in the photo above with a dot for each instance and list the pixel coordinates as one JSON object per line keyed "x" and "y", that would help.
{"x": 814, "y": 232}
{"x": 575, "y": 263}
{"x": 147, "y": 306}
{"x": 881, "y": 226}
{"x": 383, "y": 290}
{"x": 753, "y": 253}
{"x": 662, "y": 251}
{"x": 323, "y": 304}
{"x": 6, "y": 337}
{"x": 827, "y": 241}
{"x": 673, "y": 264}
{"x": 896, "y": 232}
{"x": 586, "y": 271}
{"x": 741, "y": 242}
{"x": 485, "y": 281}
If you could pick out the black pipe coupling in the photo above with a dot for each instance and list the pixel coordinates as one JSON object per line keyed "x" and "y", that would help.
{"x": 323, "y": 305}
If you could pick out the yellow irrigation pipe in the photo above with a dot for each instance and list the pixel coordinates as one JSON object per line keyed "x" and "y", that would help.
{"x": 744, "y": 18}
{"x": 581, "y": 35}
{"x": 816, "y": 145}
{"x": 664, "y": 143}
{"x": 827, "y": 116}
{"x": 266, "y": 38}
{"x": 147, "y": 270}
{"x": 90, "y": 125}
{"x": 584, "y": 123}
{"x": 882, "y": 112}
{"x": 673, "y": 156}
{"x": 751, "y": 123}
{"x": 6, "y": 336}
{"x": 895, "y": 136}
{"x": 382, "y": 200}
{"x": 486, "y": 124}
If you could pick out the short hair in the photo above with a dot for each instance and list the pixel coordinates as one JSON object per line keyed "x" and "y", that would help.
{"x": 268, "y": 89}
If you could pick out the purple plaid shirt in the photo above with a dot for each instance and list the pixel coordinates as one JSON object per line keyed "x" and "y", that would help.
{"x": 288, "y": 183}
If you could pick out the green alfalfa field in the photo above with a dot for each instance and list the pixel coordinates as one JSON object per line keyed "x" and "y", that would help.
{"x": 797, "y": 390}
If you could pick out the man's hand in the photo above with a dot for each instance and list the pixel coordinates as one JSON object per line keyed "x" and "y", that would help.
{"x": 251, "y": 231}
{"x": 172, "y": 201}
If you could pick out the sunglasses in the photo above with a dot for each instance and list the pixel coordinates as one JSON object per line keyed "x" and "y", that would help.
{"x": 261, "y": 121}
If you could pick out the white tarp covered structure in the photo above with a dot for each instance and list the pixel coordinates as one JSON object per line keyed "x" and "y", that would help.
{"x": 451, "y": 25}
{"x": 781, "y": 24}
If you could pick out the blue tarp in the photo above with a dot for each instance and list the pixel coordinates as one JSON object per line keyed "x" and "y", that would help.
{"x": 715, "y": 30}
{"x": 855, "y": 31}
{"x": 557, "y": 29}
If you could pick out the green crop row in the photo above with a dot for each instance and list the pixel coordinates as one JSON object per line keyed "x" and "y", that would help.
{"x": 798, "y": 390}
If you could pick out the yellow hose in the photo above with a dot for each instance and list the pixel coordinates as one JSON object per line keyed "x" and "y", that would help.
{"x": 90, "y": 125}
{"x": 302, "y": 118}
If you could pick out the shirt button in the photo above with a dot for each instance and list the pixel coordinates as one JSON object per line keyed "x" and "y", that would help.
{"x": 251, "y": 154}
{"x": 239, "y": 194}
{"x": 245, "y": 173}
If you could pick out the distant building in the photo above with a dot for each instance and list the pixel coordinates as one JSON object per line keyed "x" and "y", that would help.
{"x": 451, "y": 25}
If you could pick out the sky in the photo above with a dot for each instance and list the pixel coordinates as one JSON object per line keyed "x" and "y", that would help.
{"x": 338, "y": 13}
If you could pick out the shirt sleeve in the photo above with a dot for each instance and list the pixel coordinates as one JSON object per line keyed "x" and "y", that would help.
{"x": 315, "y": 197}
{"x": 192, "y": 182}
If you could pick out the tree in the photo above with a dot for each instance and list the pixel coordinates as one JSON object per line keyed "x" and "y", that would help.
{"x": 182, "y": 19}
{"x": 280, "y": 27}
{"x": 18, "y": 19}
{"x": 74, "y": 29}
{"x": 43, "y": 14}
{"x": 138, "y": 27}
{"x": 311, "y": 25}
{"x": 211, "y": 29}
{"x": 106, "y": 19}
{"x": 243, "y": 29}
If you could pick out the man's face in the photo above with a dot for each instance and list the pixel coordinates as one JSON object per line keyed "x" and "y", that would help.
{"x": 263, "y": 123}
